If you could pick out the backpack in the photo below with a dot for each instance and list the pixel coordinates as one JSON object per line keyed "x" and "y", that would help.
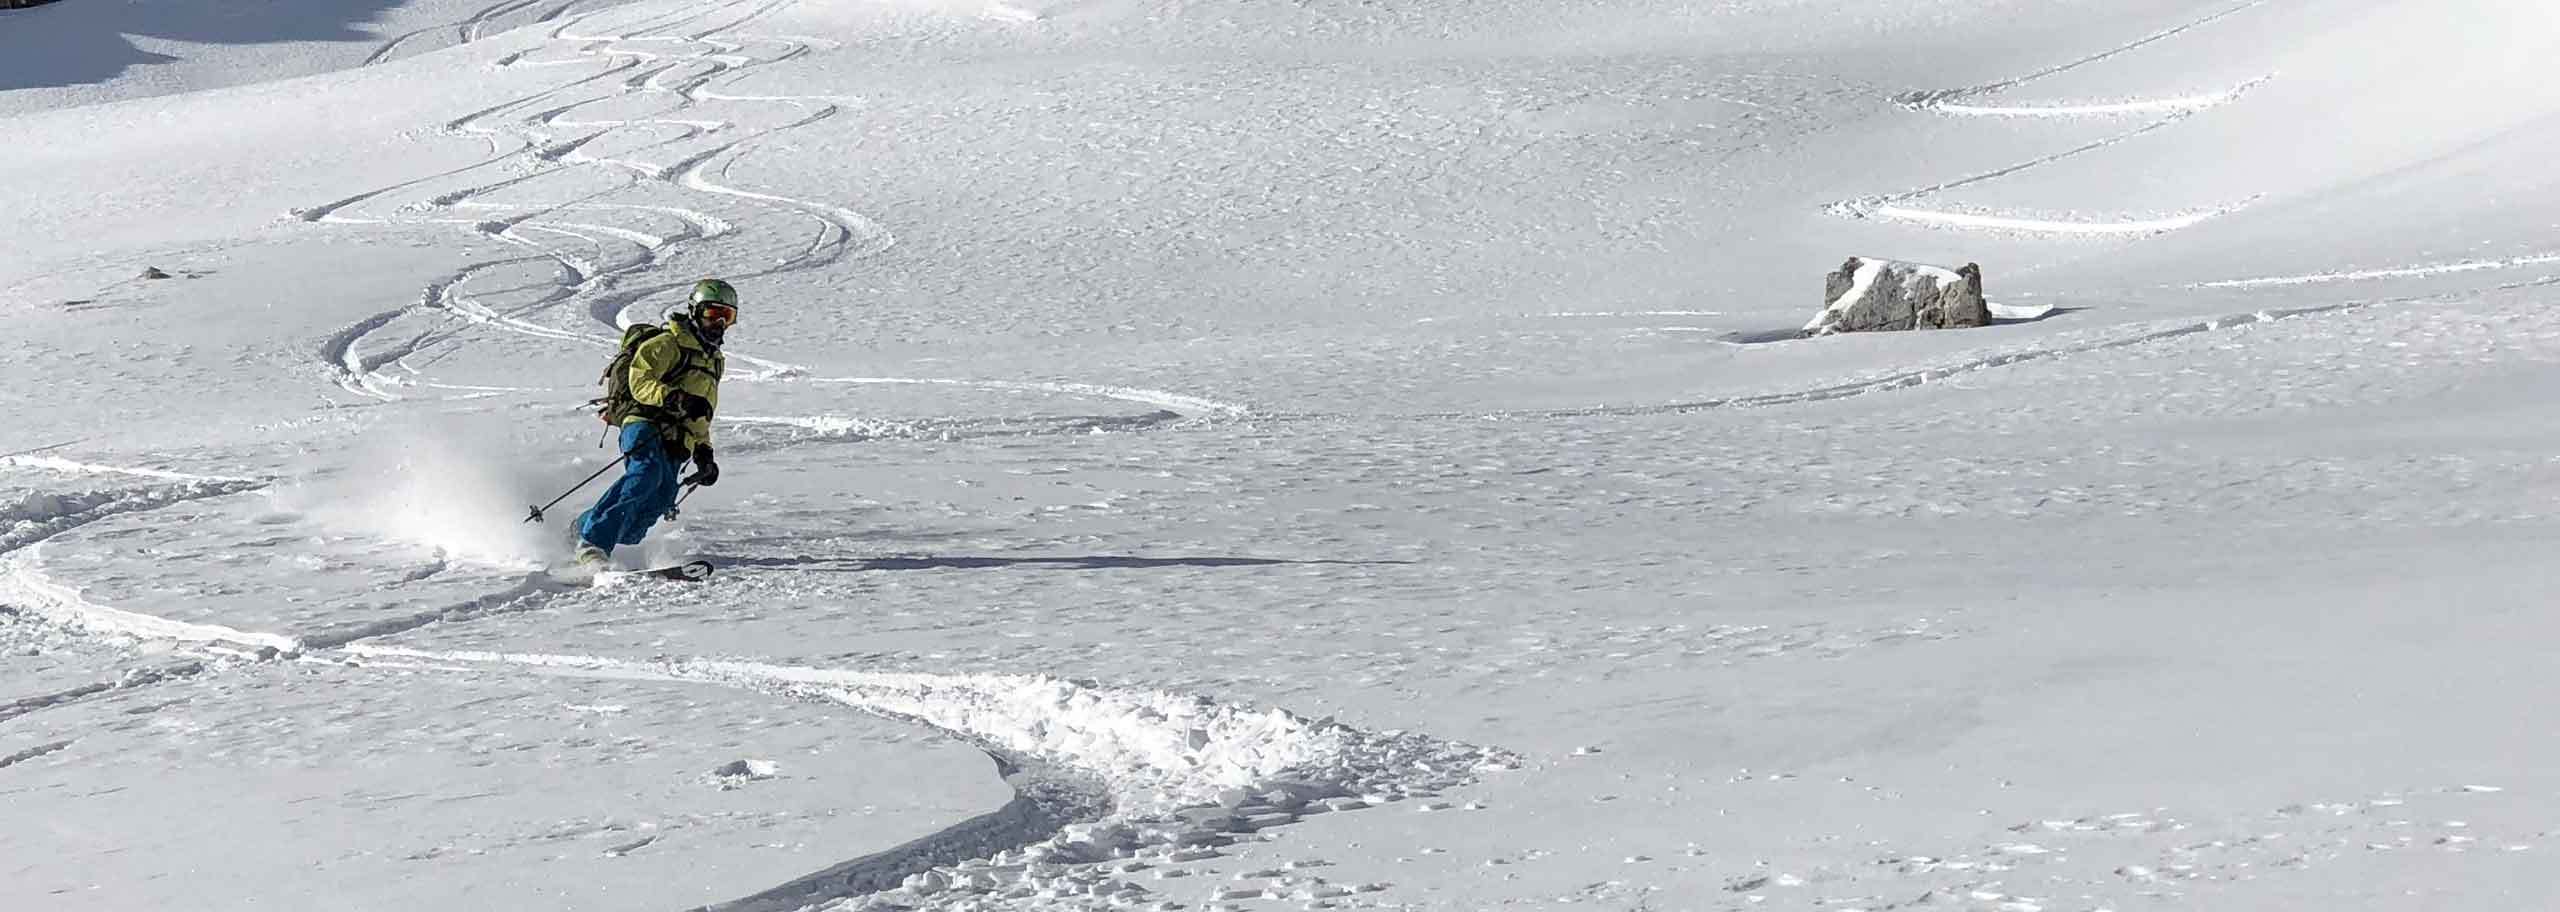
{"x": 617, "y": 404}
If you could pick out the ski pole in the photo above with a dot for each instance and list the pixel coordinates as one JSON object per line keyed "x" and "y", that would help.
{"x": 536, "y": 515}
{"x": 672, "y": 511}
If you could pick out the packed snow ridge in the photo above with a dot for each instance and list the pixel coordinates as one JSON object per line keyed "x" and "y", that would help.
{"x": 1177, "y": 775}
{"x": 40, "y": 515}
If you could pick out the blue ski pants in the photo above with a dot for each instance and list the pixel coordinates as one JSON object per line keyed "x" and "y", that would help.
{"x": 636, "y": 500}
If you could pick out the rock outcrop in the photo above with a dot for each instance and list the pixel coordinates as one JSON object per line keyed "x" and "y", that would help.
{"x": 1873, "y": 295}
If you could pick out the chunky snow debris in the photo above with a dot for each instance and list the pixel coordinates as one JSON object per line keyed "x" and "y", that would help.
{"x": 1175, "y": 774}
{"x": 1872, "y": 295}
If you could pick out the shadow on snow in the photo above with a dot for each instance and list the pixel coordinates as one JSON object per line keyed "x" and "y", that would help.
{"x": 73, "y": 42}
{"x": 1771, "y": 336}
{"x": 1090, "y": 562}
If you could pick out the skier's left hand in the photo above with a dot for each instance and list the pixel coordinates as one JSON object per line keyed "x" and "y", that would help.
{"x": 705, "y": 471}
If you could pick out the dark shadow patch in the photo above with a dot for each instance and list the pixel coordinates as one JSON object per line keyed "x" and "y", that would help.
{"x": 78, "y": 42}
{"x": 1086, "y": 562}
{"x": 2047, "y": 315}
{"x": 1046, "y": 799}
{"x": 1767, "y": 336}
{"x": 1762, "y": 336}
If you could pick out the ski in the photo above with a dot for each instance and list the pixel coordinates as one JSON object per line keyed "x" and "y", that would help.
{"x": 689, "y": 571}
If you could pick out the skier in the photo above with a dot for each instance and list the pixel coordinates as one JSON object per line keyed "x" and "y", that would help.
{"x": 661, "y": 390}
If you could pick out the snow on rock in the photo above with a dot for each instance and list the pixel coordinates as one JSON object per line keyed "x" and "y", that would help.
{"x": 1873, "y": 295}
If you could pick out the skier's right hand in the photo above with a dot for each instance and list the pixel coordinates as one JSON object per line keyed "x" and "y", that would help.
{"x": 705, "y": 471}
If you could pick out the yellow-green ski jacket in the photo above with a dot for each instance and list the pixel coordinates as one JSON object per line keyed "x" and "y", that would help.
{"x": 650, "y": 379}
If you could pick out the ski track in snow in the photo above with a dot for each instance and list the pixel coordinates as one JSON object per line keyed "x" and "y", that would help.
{"x": 592, "y": 258}
{"x": 75, "y": 467}
{"x": 1145, "y": 774}
{"x": 2029, "y": 224}
{"x": 1182, "y": 411}
{"x": 1169, "y": 409}
{"x": 2370, "y": 275}
{"x": 1922, "y": 376}
{"x": 2183, "y": 105}
{"x": 132, "y": 679}
{"x": 803, "y": 429}
{"x": 26, "y": 593}
{"x": 355, "y": 372}
{"x": 40, "y": 516}
{"x": 33, "y": 752}
{"x": 26, "y": 525}
{"x": 1100, "y": 774}
{"x": 1956, "y": 103}
{"x": 23, "y": 585}
{"x": 1888, "y": 206}
{"x": 1916, "y": 377}
{"x": 1172, "y": 402}
{"x": 1928, "y": 98}
{"x": 470, "y": 28}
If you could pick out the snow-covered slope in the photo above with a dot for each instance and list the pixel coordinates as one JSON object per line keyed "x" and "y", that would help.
{"x": 1237, "y": 455}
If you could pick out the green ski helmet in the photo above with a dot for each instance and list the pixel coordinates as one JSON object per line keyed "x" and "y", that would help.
{"x": 714, "y": 309}
{"x": 714, "y": 291}
{"x": 715, "y": 306}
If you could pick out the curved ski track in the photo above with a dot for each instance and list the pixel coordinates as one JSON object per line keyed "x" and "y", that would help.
{"x": 470, "y": 28}
{"x": 594, "y": 255}
{"x": 2403, "y": 272}
{"x": 1928, "y": 99}
{"x": 1097, "y": 773}
{"x": 1955, "y": 102}
{"x": 26, "y": 593}
{"x": 599, "y": 249}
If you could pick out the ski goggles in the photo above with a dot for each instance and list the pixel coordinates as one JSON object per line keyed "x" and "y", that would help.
{"x": 722, "y": 314}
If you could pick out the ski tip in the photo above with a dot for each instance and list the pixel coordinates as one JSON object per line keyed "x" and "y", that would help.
{"x": 696, "y": 571}
{"x": 689, "y": 571}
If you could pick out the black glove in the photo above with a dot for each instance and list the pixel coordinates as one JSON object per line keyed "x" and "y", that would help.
{"x": 689, "y": 405}
{"x": 705, "y": 472}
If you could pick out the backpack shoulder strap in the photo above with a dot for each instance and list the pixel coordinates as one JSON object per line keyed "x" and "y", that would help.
{"x": 683, "y": 363}
{"x": 689, "y": 358}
